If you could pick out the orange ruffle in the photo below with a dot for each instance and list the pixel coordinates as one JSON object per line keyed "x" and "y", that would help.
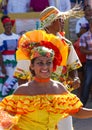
{"x": 17, "y": 104}
{"x": 33, "y": 112}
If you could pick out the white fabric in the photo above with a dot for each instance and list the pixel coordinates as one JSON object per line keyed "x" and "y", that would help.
{"x": 73, "y": 60}
{"x": 9, "y": 69}
{"x": 65, "y": 124}
{"x": 10, "y": 83}
{"x": 62, "y": 5}
{"x": 18, "y": 6}
{"x": 22, "y": 65}
{"x": 82, "y": 20}
{"x": 8, "y": 37}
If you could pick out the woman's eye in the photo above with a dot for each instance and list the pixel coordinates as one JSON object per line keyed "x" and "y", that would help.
{"x": 48, "y": 63}
{"x": 40, "y": 63}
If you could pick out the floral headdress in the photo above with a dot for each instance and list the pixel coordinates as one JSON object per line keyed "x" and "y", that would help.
{"x": 41, "y": 51}
{"x": 30, "y": 41}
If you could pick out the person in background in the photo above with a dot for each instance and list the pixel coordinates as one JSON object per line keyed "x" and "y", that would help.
{"x": 86, "y": 48}
{"x": 63, "y": 5}
{"x": 8, "y": 47}
{"x": 19, "y": 6}
{"x": 38, "y": 5}
{"x": 83, "y": 20}
{"x": 3, "y": 6}
{"x": 81, "y": 71}
{"x": 42, "y": 102}
{"x": 52, "y": 21}
{"x": 88, "y": 2}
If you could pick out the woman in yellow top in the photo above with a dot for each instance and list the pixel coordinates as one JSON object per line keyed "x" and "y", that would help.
{"x": 42, "y": 102}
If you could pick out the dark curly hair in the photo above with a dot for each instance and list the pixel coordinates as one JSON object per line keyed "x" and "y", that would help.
{"x": 32, "y": 71}
{"x": 3, "y": 17}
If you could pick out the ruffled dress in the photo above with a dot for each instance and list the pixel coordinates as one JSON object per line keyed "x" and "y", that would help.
{"x": 38, "y": 112}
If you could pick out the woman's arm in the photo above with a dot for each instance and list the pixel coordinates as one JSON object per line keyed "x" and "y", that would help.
{"x": 83, "y": 113}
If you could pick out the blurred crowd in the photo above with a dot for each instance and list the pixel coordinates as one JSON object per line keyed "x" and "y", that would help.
{"x": 22, "y": 6}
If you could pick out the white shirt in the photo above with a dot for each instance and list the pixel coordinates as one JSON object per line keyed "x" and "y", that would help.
{"x": 62, "y": 5}
{"x": 82, "y": 20}
{"x": 18, "y": 6}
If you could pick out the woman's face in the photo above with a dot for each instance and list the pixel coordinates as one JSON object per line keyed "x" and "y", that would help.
{"x": 42, "y": 67}
{"x": 8, "y": 27}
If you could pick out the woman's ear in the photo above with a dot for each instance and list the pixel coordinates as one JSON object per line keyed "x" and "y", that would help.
{"x": 31, "y": 67}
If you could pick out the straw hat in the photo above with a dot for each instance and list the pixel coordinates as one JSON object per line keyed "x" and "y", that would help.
{"x": 48, "y": 15}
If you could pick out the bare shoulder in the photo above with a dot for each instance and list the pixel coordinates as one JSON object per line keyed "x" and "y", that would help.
{"x": 21, "y": 89}
{"x": 60, "y": 86}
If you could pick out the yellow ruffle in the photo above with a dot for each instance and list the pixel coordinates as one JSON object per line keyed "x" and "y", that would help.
{"x": 52, "y": 103}
{"x": 40, "y": 112}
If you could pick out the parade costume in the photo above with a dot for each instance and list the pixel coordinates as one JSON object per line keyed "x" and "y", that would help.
{"x": 8, "y": 46}
{"x": 28, "y": 108}
{"x": 72, "y": 61}
{"x": 40, "y": 111}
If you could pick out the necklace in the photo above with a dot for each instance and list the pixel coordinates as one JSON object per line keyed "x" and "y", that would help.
{"x": 46, "y": 29}
{"x": 41, "y": 80}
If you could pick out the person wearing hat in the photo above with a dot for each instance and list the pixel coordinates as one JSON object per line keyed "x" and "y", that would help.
{"x": 42, "y": 102}
{"x": 52, "y": 21}
{"x": 8, "y": 47}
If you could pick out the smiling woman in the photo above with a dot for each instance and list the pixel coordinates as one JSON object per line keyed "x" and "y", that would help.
{"x": 42, "y": 67}
{"x": 41, "y": 103}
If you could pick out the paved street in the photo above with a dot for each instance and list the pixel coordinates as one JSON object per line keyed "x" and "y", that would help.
{"x": 83, "y": 124}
